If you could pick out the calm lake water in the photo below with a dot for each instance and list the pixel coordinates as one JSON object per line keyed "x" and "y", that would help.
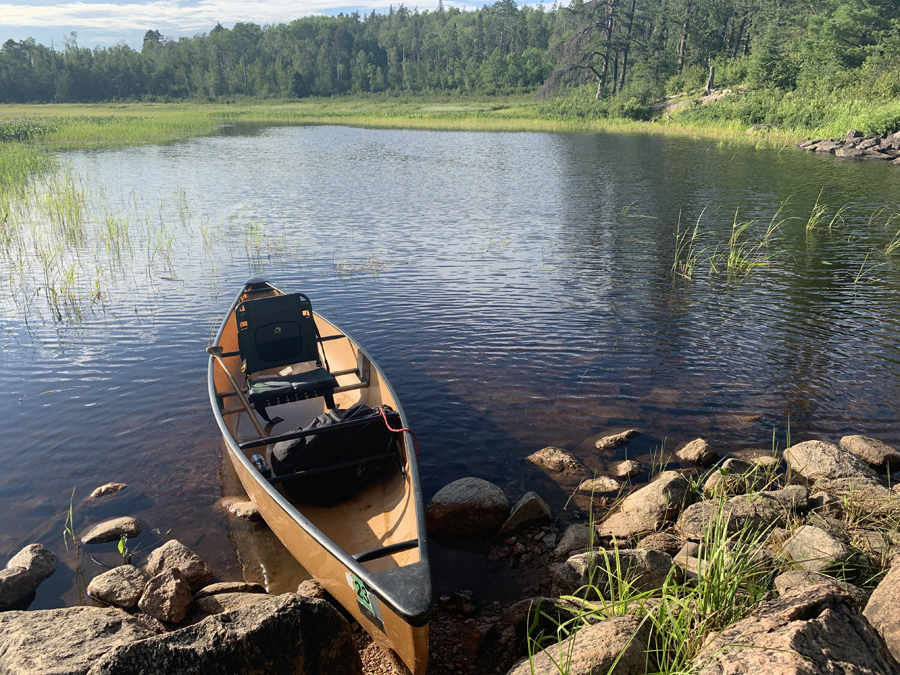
{"x": 517, "y": 289}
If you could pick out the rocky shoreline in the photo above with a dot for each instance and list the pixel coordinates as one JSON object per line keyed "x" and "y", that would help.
{"x": 857, "y": 145}
{"x": 809, "y": 522}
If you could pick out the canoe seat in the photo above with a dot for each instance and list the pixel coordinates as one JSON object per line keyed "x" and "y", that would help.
{"x": 275, "y": 332}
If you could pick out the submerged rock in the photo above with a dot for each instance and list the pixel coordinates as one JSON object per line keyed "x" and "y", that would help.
{"x": 556, "y": 459}
{"x": 467, "y": 506}
{"x": 616, "y": 440}
{"x": 108, "y": 489}
{"x": 111, "y": 530}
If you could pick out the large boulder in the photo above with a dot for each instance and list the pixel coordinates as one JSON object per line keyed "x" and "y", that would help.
{"x": 875, "y": 453}
{"x": 111, "y": 530}
{"x": 175, "y": 555}
{"x": 601, "y": 572}
{"x": 16, "y": 587}
{"x": 167, "y": 597}
{"x": 616, "y": 646}
{"x": 282, "y": 635}
{"x": 807, "y": 631}
{"x": 467, "y": 506}
{"x": 37, "y": 559}
{"x": 648, "y": 509}
{"x": 64, "y": 641}
{"x": 815, "y": 460}
{"x": 121, "y": 586}
{"x": 528, "y": 511}
{"x": 881, "y": 610}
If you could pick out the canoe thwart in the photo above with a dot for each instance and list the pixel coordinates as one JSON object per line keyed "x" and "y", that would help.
{"x": 384, "y": 551}
{"x": 274, "y": 480}
{"x": 392, "y": 415}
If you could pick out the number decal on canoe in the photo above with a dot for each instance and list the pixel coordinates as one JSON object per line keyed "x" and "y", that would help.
{"x": 368, "y": 602}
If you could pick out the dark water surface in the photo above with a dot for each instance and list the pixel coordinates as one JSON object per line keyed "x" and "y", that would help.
{"x": 517, "y": 290}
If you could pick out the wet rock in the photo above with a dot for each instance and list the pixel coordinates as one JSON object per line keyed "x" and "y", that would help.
{"x": 63, "y": 641}
{"x": 849, "y": 153}
{"x": 667, "y": 542}
{"x": 37, "y": 559}
{"x": 528, "y": 511}
{"x": 16, "y": 585}
{"x": 467, "y": 506}
{"x": 175, "y": 555}
{"x": 628, "y": 469}
{"x": 816, "y": 460}
{"x": 108, "y": 489}
{"x": 167, "y": 596}
{"x": 220, "y": 603}
{"x": 618, "y": 646}
{"x": 645, "y": 568}
{"x": 800, "y": 579}
{"x": 112, "y": 530}
{"x": 808, "y": 631}
{"x": 599, "y": 485}
{"x": 575, "y": 538}
{"x": 875, "y": 453}
{"x": 279, "y": 635}
{"x": 881, "y": 610}
{"x": 697, "y": 452}
{"x": 232, "y": 587}
{"x": 616, "y": 440}
{"x": 243, "y": 509}
{"x": 648, "y": 509}
{"x": 814, "y": 549}
{"x": 122, "y": 586}
{"x": 556, "y": 459}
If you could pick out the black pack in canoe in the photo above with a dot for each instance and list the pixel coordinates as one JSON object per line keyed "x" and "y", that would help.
{"x": 338, "y": 481}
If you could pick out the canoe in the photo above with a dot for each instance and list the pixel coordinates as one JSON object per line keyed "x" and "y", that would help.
{"x": 369, "y": 551}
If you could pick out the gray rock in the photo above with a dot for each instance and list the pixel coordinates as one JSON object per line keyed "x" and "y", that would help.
{"x": 283, "y": 635}
{"x": 122, "y": 586}
{"x": 467, "y": 506}
{"x": 108, "y": 489}
{"x": 814, "y": 549}
{"x": 825, "y": 505}
{"x": 666, "y": 542}
{"x": 877, "y": 454}
{"x": 881, "y": 610}
{"x": 827, "y": 147}
{"x": 556, "y": 459}
{"x": 16, "y": 585}
{"x": 175, "y": 555}
{"x": 616, "y": 646}
{"x": 881, "y": 545}
{"x": 734, "y": 476}
{"x": 816, "y": 460}
{"x": 849, "y": 152}
{"x": 575, "y": 538}
{"x": 801, "y": 579}
{"x": 646, "y": 569}
{"x": 862, "y": 493}
{"x": 806, "y": 144}
{"x": 875, "y": 154}
{"x": 599, "y": 485}
{"x": 628, "y": 469}
{"x": 167, "y": 596}
{"x": 229, "y": 587}
{"x": 807, "y": 631}
{"x": 648, "y": 509}
{"x": 791, "y": 498}
{"x": 853, "y": 134}
{"x": 63, "y": 641}
{"x": 697, "y": 452}
{"x": 112, "y": 530}
{"x": 37, "y": 559}
{"x": 756, "y": 512}
{"x": 210, "y": 605}
{"x": 528, "y": 511}
{"x": 245, "y": 509}
{"x": 616, "y": 440}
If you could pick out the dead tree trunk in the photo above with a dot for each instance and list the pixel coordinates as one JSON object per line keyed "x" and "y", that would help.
{"x": 711, "y": 81}
{"x": 609, "y": 32}
{"x": 740, "y": 35}
{"x": 684, "y": 32}
{"x": 627, "y": 45}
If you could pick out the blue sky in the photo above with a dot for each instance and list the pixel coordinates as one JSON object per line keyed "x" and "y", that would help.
{"x": 109, "y": 22}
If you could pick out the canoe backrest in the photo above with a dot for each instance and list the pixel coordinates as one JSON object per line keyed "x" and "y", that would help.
{"x": 276, "y": 331}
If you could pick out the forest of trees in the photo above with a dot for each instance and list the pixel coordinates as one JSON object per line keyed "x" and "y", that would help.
{"x": 636, "y": 48}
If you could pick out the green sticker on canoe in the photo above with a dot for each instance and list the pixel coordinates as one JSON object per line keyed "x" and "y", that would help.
{"x": 368, "y": 603}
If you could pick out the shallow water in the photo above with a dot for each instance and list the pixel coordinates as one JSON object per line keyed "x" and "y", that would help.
{"x": 517, "y": 290}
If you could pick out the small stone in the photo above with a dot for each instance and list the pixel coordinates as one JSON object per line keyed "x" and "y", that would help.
{"x": 814, "y": 549}
{"x": 528, "y": 511}
{"x": 518, "y": 549}
{"x": 697, "y": 452}
{"x": 121, "y": 586}
{"x": 167, "y": 597}
{"x": 108, "y": 489}
{"x": 232, "y": 587}
{"x": 662, "y": 541}
{"x": 509, "y": 541}
{"x": 112, "y": 530}
{"x": 616, "y": 440}
{"x": 628, "y": 469}
{"x": 576, "y": 537}
{"x": 173, "y": 554}
{"x": 599, "y": 485}
{"x": 37, "y": 559}
{"x": 555, "y": 459}
{"x": 16, "y": 585}
{"x": 498, "y": 552}
{"x": 549, "y": 540}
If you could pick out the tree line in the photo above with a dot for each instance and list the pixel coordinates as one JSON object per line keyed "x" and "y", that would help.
{"x": 637, "y": 48}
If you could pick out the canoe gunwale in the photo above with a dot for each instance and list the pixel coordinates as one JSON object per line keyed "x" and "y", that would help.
{"x": 416, "y": 616}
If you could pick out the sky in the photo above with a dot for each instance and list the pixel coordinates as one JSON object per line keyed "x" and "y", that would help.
{"x": 106, "y": 23}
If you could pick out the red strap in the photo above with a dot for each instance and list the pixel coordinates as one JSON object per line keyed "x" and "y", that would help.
{"x": 387, "y": 424}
